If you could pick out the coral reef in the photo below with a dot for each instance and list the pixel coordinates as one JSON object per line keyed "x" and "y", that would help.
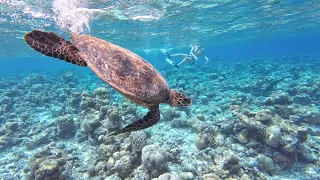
{"x": 47, "y": 164}
{"x": 232, "y": 163}
{"x": 66, "y": 126}
{"x": 167, "y": 176}
{"x": 154, "y": 160}
{"x": 265, "y": 162}
{"x": 258, "y": 123}
{"x": 273, "y": 136}
{"x": 138, "y": 141}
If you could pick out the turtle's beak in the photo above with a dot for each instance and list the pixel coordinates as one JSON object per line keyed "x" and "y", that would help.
{"x": 187, "y": 101}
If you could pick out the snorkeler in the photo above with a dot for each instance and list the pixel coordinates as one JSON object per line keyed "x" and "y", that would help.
{"x": 195, "y": 53}
{"x": 198, "y": 51}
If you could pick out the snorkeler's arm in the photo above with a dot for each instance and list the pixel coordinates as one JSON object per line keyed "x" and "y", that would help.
{"x": 207, "y": 60}
{"x": 191, "y": 50}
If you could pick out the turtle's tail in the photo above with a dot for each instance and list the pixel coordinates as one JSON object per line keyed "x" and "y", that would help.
{"x": 52, "y": 45}
{"x": 148, "y": 120}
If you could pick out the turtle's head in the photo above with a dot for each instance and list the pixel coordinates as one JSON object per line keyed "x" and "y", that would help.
{"x": 179, "y": 99}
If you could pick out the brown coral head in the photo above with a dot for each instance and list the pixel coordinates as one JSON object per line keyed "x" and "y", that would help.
{"x": 260, "y": 130}
{"x": 290, "y": 149}
{"x": 302, "y": 135}
{"x": 284, "y": 161}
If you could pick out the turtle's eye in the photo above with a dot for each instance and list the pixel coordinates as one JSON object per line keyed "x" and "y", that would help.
{"x": 186, "y": 101}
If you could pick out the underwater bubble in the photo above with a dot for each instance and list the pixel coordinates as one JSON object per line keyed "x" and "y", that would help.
{"x": 72, "y": 15}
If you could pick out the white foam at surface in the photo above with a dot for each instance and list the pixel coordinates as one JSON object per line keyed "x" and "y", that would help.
{"x": 35, "y": 14}
{"x": 145, "y": 12}
{"x": 72, "y": 14}
{"x": 15, "y": 7}
{"x": 75, "y": 15}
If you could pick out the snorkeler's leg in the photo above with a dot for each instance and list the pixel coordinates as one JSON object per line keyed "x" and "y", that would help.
{"x": 172, "y": 63}
{"x": 181, "y": 55}
{"x": 184, "y": 60}
{"x": 167, "y": 55}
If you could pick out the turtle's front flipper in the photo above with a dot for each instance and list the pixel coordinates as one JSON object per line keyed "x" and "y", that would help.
{"x": 53, "y": 45}
{"x": 148, "y": 120}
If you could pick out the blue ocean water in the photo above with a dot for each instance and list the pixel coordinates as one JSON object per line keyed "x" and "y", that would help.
{"x": 255, "y": 110}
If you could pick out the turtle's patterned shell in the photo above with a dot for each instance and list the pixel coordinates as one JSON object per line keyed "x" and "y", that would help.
{"x": 125, "y": 71}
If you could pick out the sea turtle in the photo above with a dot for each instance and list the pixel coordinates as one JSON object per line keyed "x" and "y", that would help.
{"x": 122, "y": 69}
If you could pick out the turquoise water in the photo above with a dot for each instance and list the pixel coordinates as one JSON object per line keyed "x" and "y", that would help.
{"x": 255, "y": 110}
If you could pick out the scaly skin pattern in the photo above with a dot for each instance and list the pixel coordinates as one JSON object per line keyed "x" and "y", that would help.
{"x": 125, "y": 71}
{"x": 52, "y": 45}
{"x": 148, "y": 120}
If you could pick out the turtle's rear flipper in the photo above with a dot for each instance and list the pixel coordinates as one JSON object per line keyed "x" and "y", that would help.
{"x": 53, "y": 45}
{"x": 148, "y": 120}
